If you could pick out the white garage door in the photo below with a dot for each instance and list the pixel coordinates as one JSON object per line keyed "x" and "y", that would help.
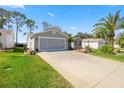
{"x": 46, "y": 44}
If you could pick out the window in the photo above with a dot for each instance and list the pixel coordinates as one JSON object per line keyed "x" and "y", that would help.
{"x": 78, "y": 43}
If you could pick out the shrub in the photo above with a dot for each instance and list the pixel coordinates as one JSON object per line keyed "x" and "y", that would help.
{"x": 18, "y": 49}
{"x": 88, "y": 49}
{"x": 106, "y": 49}
{"x": 118, "y": 50}
{"x": 32, "y": 52}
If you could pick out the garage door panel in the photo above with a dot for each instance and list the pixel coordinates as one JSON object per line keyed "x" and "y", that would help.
{"x": 52, "y": 44}
{"x": 43, "y": 43}
{"x": 62, "y": 43}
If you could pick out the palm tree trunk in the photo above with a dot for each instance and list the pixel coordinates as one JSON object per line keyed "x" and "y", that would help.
{"x": 111, "y": 42}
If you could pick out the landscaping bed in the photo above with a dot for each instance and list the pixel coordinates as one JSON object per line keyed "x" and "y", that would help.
{"x": 117, "y": 57}
{"x": 19, "y": 71}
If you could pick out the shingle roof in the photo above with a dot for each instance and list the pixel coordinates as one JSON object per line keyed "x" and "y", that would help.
{"x": 48, "y": 31}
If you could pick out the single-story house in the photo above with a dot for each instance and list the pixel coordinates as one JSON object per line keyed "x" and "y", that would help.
{"x": 6, "y": 39}
{"x": 47, "y": 41}
{"x": 93, "y": 43}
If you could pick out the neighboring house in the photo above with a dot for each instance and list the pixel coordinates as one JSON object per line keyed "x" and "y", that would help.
{"x": 121, "y": 46}
{"x": 47, "y": 41}
{"x": 116, "y": 45}
{"x": 6, "y": 39}
{"x": 93, "y": 43}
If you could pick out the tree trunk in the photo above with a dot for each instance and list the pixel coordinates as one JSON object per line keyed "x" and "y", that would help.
{"x": 7, "y": 26}
{"x": 17, "y": 35}
{"x": 69, "y": 45}
{"x": 30, "y": 29}
{"x": 111, "y": 42}
{"x": 122, "y": 45}
{"x": 111, "y": 39}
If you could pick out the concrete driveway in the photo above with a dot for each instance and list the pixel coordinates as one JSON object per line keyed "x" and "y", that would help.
{"x": 83, "y": 70}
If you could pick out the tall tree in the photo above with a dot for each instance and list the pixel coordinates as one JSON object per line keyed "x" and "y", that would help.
{"x": 70, "y": 39}
{"x": 5, "y": 18}
{"x": 2, "y": 17}
{"x": 31, "y": 24}
{"x": 48, "y": 27}
{"x": 83, "y": 35}
{"x": 9, "y": 21}
{"x": 107, "y": 27}
{"x": 19, "y": 20}
{"x": 55, "y": 28}
{"x": 120, "y": 39}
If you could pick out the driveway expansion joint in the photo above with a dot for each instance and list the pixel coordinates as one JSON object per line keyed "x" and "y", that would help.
{"x": 106, "y": 77}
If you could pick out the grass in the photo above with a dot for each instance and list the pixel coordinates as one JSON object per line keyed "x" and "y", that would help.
{"x": 109, "y": 56}
{"x": 19, "y": 71}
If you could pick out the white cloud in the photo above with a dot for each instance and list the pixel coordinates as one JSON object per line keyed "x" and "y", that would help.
{"x": 50, "y": 14}
{"x": 72, "y": 27}
{"x": 17, "y": 6}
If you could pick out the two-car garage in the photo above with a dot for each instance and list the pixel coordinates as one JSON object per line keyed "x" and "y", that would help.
{"x": 48, "y": 44}
{"x": 48, "y": 41}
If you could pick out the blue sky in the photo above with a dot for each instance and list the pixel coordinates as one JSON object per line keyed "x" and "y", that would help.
{"x": 70, "y": 18}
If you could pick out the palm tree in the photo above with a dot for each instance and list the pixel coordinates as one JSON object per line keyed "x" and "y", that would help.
{"x": 100, "y": 34}
{"x": 30, "y": 24}
{"x": 120, "y": 39}
{"x": 70, "y": 40}
{"x": 106, "y": 27}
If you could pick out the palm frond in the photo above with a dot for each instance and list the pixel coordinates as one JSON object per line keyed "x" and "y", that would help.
{"x": 120, "y": 38}
{"x": 102, "y": 24}
{"x": 117, "y": 17}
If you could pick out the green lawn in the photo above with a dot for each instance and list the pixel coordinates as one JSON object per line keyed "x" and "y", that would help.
{"x": 110, "y": 56}
{"x": 17, "y": 70}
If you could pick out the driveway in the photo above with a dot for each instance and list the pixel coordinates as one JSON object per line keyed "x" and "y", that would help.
{"x": 83, "y": 70}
